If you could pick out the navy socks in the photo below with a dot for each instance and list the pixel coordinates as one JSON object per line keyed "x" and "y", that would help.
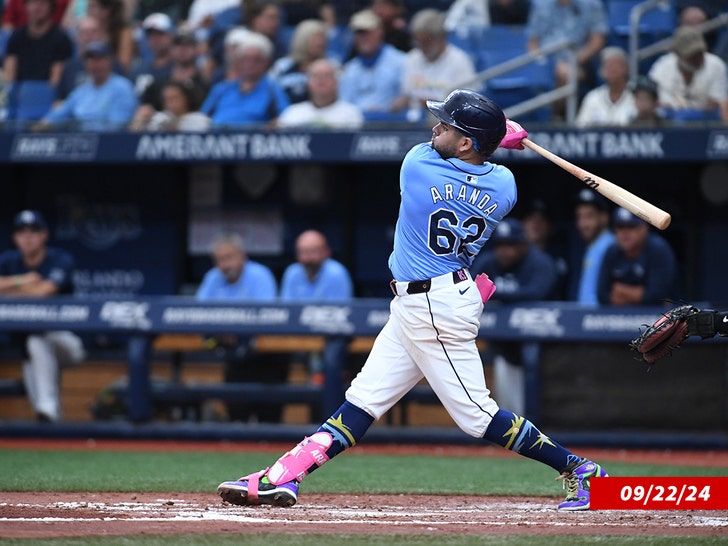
{"x": 520, "y": 435}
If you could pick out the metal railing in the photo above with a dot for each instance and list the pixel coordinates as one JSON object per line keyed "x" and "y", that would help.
{"x": 637, "y": 55}
{"x": 567, "y": 91}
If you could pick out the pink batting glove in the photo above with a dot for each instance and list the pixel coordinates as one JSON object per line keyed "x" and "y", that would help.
{"x": 514, "y": 135}
{"x": 486, "y": 287}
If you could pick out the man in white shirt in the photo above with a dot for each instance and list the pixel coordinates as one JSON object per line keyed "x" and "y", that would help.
{"x": 691, "y": 78}
{"x": 324, "y": 109}
{"x": 613, "y": 102}
{"x": 433, "y": 67}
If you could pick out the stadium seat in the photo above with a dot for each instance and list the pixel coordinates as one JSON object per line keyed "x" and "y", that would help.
{"x": 510, "y": 39}
{"x": 340, "y": 42}
{"x": 687, "y": 115}
{"x": 30, "y": 100}
{"x": 654, "y": 25}
{"x": 520, "y": 84}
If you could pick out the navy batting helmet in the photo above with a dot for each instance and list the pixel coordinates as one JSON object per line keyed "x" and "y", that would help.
{"x": 473, "y": 115}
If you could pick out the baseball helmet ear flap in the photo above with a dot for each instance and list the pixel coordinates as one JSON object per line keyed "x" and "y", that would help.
{"x": 474, "y": 115}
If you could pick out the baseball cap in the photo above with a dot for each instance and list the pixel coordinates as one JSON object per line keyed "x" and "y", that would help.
{"x": 622, "y": 217}
{"x": 688, "y": 41}
{"x": 158, "y": 21}
{"x": 365, "y": 19}
{"x": 644, "y": 83}
{"x": 590, "y": 197}
{"x": 29, "y": 218}
{"x": 508, "y": 231}
{"x": 97, "y": 49}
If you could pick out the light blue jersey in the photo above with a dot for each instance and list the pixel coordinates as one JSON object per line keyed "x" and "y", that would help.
{"x": 256, "y": 283}
{"x": 449, "y": 209}
{"x": 332, "y": 283}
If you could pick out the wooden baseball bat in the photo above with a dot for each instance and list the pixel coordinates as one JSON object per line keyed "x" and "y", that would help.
{"x": 616, "y": 194}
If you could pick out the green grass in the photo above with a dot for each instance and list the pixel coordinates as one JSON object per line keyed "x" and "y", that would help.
{"x": 30, "y": 470}
{"x": 43, "y": 470}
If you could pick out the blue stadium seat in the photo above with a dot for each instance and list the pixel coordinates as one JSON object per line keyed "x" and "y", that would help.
{"x": 506, "y": 38}
{"x": 30, "y": 100}
{"x": 520, "y": 84}
{"x": 340, "y": 43}
{"x": 687, "y": 115}
{"x": 655, "y": 24}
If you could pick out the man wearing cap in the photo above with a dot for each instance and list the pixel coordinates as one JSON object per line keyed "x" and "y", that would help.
{"x": 591, "y": 216}
{"x": 522, "y": 272}
{"x": 639, "y": 268}
{"x": 372, "y": 80}
{"x": 690, "y": 77}
{"x": 36, "y": 270}
{"x": 104, "y": 102}
{"x": 159, "y": 33}
{"x": 36, "y": 51}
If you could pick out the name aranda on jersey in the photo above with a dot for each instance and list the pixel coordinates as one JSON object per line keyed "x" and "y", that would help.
{"x": 467, "y": 194}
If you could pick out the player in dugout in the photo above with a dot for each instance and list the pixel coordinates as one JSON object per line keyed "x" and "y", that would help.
{"x": 452, "y": 198}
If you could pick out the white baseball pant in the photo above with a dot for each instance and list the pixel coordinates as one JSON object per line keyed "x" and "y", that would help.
{"x": 47, "y": 354}
{"x": 430, "y": 335}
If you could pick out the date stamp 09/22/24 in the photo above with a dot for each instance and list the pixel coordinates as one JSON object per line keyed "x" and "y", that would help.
{"x": 659, "y": 493}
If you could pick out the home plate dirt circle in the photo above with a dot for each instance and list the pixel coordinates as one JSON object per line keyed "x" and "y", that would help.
{"x": 44, "y": 515}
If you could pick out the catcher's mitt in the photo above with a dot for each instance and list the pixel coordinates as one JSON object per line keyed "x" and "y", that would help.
{"x": 667, "y": 333}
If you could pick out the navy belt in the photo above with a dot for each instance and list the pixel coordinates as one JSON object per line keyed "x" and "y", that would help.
{"x": 420, "y": 287}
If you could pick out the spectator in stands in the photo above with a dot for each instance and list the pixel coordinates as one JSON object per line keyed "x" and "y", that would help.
{"x": 646, "y": 103}
{"x": 35, "y": 270}
{"x": 115, "y": 20}
{"x": 316, "y": 276}
{"x": 612, "y": 103}
{"x": 433, "y": 67}
{"x": 324, "y": 109}
{"x": 541, "y": 231}
{"x": 639, "y": 268}
{"x": 202, "y": 12}
{"x": 236, "y": 278}
{"x": 159, "y": 33}
{"x": 88, "y": 30}
{"x": 255, "y": 98}
{"x": 104, "y": 102}
{"x": 394, "y": 21}
{"x": 38, "y": 50}
{"x": 522, "y": 273}
{"x": 261, "y": 16}
{"x": 264, "y": 16}
{"x": 183, "y": 70}
{"x": 180, "y": 103}
{"x": 480, "y": 13}
{"x": 583, "y": 22}
{"x": 591, "y": 217}
{"x": 689, "y": 78}
{"x": 372, "y": 79}
{"x": 228, "y": 69}
{"x": 14, "y": 15}
{"x": 308, "y": 44}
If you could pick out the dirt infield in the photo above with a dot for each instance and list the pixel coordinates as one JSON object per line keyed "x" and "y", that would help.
{"x": 29, "y": 515}
{"x": 46, "y": 515}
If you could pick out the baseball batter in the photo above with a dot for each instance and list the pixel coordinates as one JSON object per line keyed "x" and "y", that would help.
{"x": 451, "y": 200}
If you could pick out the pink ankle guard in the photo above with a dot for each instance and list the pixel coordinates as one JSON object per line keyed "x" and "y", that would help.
{"x": 294, "y": 465}
{"x": 253, "y": 481}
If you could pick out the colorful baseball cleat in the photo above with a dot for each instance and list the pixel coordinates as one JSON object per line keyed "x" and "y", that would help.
{"x": 577, "y": 485}
{"x": 256, "y": 489}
